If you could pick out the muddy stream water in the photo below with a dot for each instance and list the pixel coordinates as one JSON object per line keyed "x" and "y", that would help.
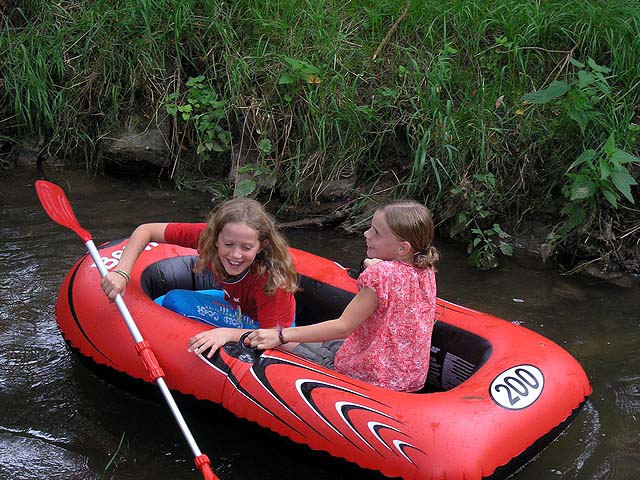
{"x": 60, "y": 421}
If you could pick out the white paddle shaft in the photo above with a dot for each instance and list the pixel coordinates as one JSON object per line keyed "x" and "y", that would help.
{"x": 137, "y": 337}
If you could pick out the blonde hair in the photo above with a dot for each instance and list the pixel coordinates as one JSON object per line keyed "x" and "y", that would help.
{"x": 412, "y": 222}
{"x": 273, "y": 260}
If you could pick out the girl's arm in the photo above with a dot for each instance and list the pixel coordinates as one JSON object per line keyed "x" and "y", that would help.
{"x": 356, "y": 312}
{"x": 269, "y": 307}
{"x": 214, "y": 339}
{"x": 114, "y": 283}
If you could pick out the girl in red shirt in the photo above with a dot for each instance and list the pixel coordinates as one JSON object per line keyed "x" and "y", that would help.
{"x": 249, "y": 259}
{"x": 388, "y": 324}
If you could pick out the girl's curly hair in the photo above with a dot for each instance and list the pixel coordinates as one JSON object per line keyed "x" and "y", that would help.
{"x": 273, "y": 260}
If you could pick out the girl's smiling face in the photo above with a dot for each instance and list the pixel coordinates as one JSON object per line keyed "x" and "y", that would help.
{"x": 382, "y": 243}
{"x": 237, "y": 245}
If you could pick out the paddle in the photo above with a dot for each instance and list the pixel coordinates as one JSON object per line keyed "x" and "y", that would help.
{"x": 57, "y": 206}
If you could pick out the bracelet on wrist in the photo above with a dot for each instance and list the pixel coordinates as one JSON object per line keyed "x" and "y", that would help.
{"x": 281, "y": 337}
{"x": 123, "y": 274}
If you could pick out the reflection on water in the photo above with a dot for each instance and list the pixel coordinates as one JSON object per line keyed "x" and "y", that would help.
{"x": 59, "y": 421}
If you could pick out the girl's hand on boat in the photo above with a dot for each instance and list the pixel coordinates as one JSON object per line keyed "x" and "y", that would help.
{"x": 263, "y": 339}
{"x": 113, "y": 284}
{"x": 212, "y": 339}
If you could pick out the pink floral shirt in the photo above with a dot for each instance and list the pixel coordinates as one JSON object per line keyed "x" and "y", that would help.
{"x": 391, "y": 348}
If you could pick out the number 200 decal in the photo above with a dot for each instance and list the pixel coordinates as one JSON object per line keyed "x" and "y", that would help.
{"x": 517, "y": 387}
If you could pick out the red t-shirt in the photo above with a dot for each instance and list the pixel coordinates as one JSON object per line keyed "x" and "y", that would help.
{"x": 246, "y": 292}
{"x": 391, "y": 348}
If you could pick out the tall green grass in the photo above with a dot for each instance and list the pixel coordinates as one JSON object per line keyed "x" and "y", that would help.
{"x": 438, "y": 113}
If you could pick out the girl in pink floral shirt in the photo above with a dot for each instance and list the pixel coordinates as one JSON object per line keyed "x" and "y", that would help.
{"x": 387, "y": 326}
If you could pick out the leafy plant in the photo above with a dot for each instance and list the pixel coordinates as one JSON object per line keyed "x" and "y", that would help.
{"x": 298, "y": 72}
{"x": 488, "y": 239}
{"x": 260, "y": 175}
{"x": 202, "y": 107}
{"x": 578, "y": 100}
{"x": 597, "y": 176}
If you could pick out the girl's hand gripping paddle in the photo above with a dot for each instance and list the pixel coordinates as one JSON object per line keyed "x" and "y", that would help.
{"x": 57, "y": 206}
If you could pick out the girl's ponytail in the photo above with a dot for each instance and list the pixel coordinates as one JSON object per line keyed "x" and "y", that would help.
{"x": 427, "y": 258}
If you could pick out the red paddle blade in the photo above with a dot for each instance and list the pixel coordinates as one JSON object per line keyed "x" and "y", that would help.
{"x": 55, "y": 203}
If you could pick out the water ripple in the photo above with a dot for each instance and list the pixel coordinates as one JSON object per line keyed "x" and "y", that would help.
{"x": 590, "y": 427}
{"x": 627, "y": 396}
{"x": 29, "y": 457}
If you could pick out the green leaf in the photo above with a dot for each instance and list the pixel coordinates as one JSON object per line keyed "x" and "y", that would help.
{"x": 556, "y": 89}
{"x": 264, "y": 146}
{"x": 286, "y": 79}
{"x": 195, "y": 80}
{"x": 245, "y": 187}
{"x": 596, "y": 67}
{"x": 302, "y": 66}
{"x": 605, "y": 169}
{"x": 580, "y": 117}
{"x": 576, "y": 215}
{"x": 623, "y": 181}
{"x": 501, "y": 233}
{"x": 610, "y": 145}
{"x": 585, "y": 78}
{"x": 389, "y": 92}
{"x": 620, "y": 157}
{"x": 583, "y": 187}
{"x": 576, "y": 63}
{"x": 586, "y": 156}
{"x": 611, "y": 197}
{"x": 172, "y": 109}
{"x": 365, "y": 109}
{"x": 506, "y": 249}
{"x": 604, "y": 87}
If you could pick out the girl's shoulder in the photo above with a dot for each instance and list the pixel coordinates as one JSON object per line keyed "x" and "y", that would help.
{"x": 382, "y": 271}
{"x": 394, "y": 270}
{"x": 391, "y": 266}
{"x": 185, "y": 234}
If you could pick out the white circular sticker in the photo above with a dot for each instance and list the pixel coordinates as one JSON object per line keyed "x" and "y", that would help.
{"x": 517, "y": 387}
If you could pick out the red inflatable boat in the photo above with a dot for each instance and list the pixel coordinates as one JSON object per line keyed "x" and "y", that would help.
{"x": 496, "y": 393}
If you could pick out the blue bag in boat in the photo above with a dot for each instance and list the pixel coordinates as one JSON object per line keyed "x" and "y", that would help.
{"x": 208, "y": 306}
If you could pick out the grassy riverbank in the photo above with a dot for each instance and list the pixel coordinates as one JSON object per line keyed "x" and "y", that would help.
{"x": 424, "y": 99}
